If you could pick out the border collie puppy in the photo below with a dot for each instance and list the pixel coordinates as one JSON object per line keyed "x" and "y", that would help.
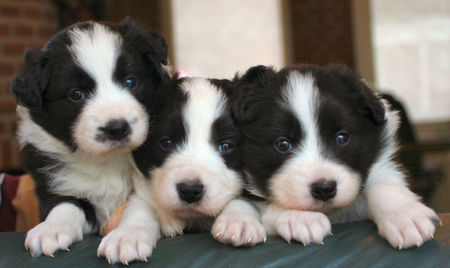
{"x": 80, "y": 101}
{"x": 320, "y": 141}
{"x": 192, "y": 160}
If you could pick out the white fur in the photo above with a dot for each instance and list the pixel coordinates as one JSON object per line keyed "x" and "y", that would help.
{"x": 195, "y": 159}
{"x": 96, "y": 51}
{"x": 400, "y": 217}
{"x": 239, "y": 224}
{"x": 104, "y": 181}
{"x": 65, "y": 224}
{"x": 290, "y": 185}
{"x": 302, "y": 226}
{"x": 137, "y": 233}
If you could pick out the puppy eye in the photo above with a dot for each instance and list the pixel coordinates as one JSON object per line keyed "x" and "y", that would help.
{"x": 283, "y": 145}
{"x": 76, "y": 95}
{"x": 167, "y": 144}
{"x": 342, "y": 138}
{"x": 130, "y": 82}
{"x": 225, "y": 147}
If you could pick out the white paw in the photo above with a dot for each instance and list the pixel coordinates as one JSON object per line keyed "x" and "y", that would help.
{"x": 238, "y": 230}
{"x": 126, "y": 244}
{"x": 303, "y": 226}
{"x": 407, "y": 227}
{"x": 172, "y": 228}
{"x": 48, "y": 237}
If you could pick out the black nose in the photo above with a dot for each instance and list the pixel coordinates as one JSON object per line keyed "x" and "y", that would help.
{"x": 116, "y": 130}
{"x": 323, "y": 189}
{"x": 190, "y": 192}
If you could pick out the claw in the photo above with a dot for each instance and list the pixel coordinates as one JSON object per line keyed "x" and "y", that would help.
{"x": 145, "y": 259}
{"x": 249, "y": 241}
{"x": 126, "y": 263}
{"x": 51, "y": 255}
{"x": 265, "y": 239}
{"x": 432, "y": 235}
{"x": 218, "y": 234}
{"x": 232, "y": 237}
{"x": 98, "y": 254}
{"x": 109, "y": 261}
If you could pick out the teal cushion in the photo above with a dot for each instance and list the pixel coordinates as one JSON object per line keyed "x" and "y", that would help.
{"x": 353, "y": 244}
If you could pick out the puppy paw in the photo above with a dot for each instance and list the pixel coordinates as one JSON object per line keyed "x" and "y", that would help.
{"x": 127, "y": 244}
{"x": 48, "y": 237}
{"x": 303, "y": 226}
{"x": 238, "y": 230}
{"x": 172, "y": 228}
{"x": 407, "y": 227}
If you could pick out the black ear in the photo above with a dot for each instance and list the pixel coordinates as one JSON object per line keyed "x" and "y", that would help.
{"x": 149, "y": 43}
{"x": 365, "y": 99}
{"x": 250, "y": 92}
{"x": 31, "y": 82}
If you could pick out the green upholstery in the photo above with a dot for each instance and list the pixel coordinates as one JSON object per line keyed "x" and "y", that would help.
{"x": 353, "y": 244}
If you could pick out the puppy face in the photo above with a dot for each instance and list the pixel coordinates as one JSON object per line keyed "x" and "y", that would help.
{"x": 193, "y": 153}
{"x": 86, "y": 86}
{"x": 311, "y": 135}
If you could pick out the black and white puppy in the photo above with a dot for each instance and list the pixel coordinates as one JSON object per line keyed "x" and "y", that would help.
{"x": 320, "y": 141}
{"x": 192, "y": 160}
{"x": 81, "y": 104}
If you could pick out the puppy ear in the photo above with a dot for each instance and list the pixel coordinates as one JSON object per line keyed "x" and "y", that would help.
{"x": 31, "y": 82}
{"x": 366, "y": 100}
{"x": 151, "y": 44}
{"x": 249, "y": 94}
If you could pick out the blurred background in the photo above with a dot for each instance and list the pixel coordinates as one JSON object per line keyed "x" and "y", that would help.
{"x": 402, "y": 48}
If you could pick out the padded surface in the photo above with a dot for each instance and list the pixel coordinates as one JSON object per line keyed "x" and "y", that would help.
{"x": 353, "y": 244}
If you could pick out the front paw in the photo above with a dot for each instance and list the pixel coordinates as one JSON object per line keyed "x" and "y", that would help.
{"x": 126, "y": 244}
{"x": 238, "y": 230}
{"x": 48, "y": 237}
{"x": 407, "y": 227}
{"x": 303, "y": 226}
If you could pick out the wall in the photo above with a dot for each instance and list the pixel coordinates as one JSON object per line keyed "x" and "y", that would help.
{"x": 216, "y": 38}
{"x": 321, "y": 32}
{"x": 23, "y": 25}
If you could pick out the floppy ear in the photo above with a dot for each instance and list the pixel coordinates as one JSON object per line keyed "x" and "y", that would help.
{"x": 248, "y": 93}
{"x": 367, "y": 102}
{"x": 31, "y": 82}
{"x": 151, "y": 44}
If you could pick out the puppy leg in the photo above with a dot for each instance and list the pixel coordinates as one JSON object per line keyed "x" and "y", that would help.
{"x": 302, "y": 226}
{"x": 135, "y": 237}
{"x": 66, "y": 223}
{"x": 239, "y": 224}
{"x": 400, "y": 217}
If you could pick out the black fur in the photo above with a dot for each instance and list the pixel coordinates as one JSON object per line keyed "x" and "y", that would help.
{"x": 346, "y": 103}
{"x": 170, "y": 124}
{"x": 50, "y": 74}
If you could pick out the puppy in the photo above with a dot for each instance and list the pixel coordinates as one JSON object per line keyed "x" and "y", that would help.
{"x": 192, "y": 160}
{"x": 320, "y": 141}
{"x": 81, "y": 104}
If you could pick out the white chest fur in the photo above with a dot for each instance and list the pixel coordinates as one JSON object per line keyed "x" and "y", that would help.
{"x": 104, "y": 181}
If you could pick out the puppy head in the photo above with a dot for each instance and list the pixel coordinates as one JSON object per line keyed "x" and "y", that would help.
{"x": 87, "y": 85}
{"x": 192, "y": 156}
{"x": 310, "y": 135}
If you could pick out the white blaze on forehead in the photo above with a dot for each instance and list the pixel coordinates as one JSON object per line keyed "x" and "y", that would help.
{"x": 204, "y": 105}
{"x": 96, "y": 50}
{"x": 301, "y": 95}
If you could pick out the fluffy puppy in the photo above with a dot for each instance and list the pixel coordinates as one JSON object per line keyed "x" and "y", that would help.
{"x": 320, "y": 141}
{"x": 192, "y": 160}
{"x": 80, "y": 101}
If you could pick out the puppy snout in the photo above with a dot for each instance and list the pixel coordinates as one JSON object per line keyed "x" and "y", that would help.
{"x": 116, "y": 130}
{"x": 323, "y": 189}
{"x": 190, "y": 191}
